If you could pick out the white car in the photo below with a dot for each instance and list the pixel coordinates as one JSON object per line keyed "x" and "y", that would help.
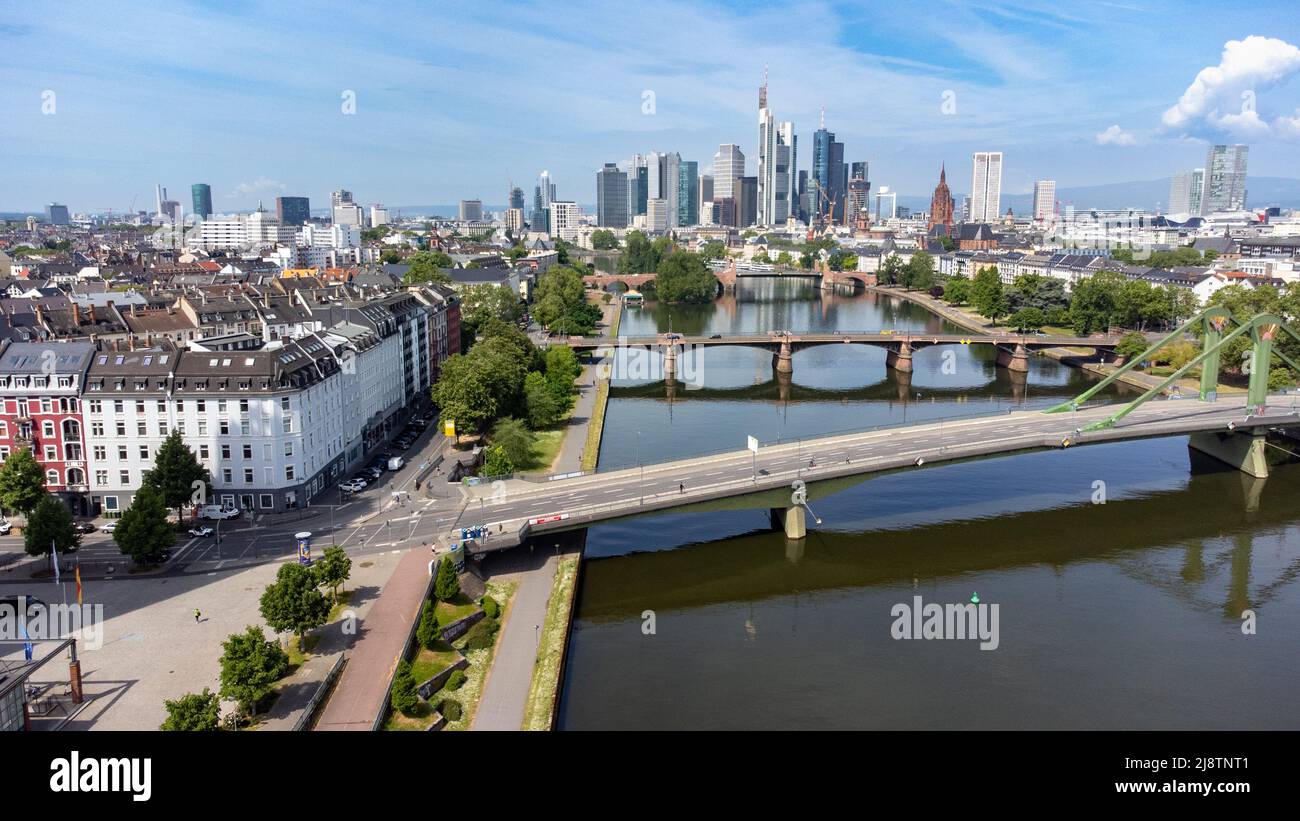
{"x": 5, "y": 527}
{"x": 201, "y": 532}
{"x": 109, "y": 528}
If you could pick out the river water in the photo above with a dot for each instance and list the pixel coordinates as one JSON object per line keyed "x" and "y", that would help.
{"x": 1118, "y": 574}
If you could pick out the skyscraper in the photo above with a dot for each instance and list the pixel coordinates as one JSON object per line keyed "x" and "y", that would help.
{"x": 470, "y": 211}
{"x": 1225, "y": 178}
{"x": 776, "y": 164}
{"x": 343, "y": 211}
{"x": 941, "y": 204}
{"x": 611, "y": 197}
{"x": 517, "y": 197}
{"x": 1186, "y": 191}
{"x": 747, "y": 202}
{"x": 56, "y": 213}
{"x": 728, "y": 167}
{"x": 292, "y": 210}
{"x": 688, "y": 193}
{"x": 859, "y": 196}
{"x": 1044, "y": 199}
{"x": 830, "y": 176}
{"x": 201, "y": 196}
{"x": 986, "y": 187}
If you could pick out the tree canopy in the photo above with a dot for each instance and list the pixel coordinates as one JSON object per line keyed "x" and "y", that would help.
{"x": 683, "y": 277}
{"x": 22, "y": 482}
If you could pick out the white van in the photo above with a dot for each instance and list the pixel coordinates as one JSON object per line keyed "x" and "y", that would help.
{"x": 396, "y": 463}
{"x": 217, "y": 512}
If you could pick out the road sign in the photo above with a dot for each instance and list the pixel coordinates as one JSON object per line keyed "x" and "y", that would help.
{"x": 753, "y": 444}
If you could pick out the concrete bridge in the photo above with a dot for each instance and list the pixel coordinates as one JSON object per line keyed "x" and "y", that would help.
{"x": 728, "y": 274}
{"x": 1013, "y": 349}
{"x": 783, "y": 476}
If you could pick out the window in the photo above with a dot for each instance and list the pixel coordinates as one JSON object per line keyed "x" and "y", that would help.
{"x": 244, "y": 428}
{"x": 96, "y": 428}
{"x": 243, "y": 406}
{"x": 121, "y": 429}
{"x": 226, "y": 476}
{"x": 101, "y": 453}
{"x": 265, "y": 501}
{"x": 202, "y": 405}
{"x": 248, "y": 451}
{"x": 142, "y": 427}
{"x": 110, "y": 503}
{"x": 47, "y": 429}
{"x": 203, "y": 427}
{"x": 288, "y": 448}
{"x": 139, "y": 404}
{"x": 124, "y": 476}
{"x": 117, "y": 406}
{"x": 225, "y": 427}
{"x": 96, "y": 406}
{"x": 248, "y": 476}
{"x": 121, "y": 453}
{"x": 203, "y": 451}
{"x": 144, "y": 453}
{"x": 284, "y": 403}
{"x": 221, "y": 406}
{"x": 101, "y": 478}
{"x": 162, "y": 427}
{"x": 225, "y": 451}
{"x": 288, "y": 473}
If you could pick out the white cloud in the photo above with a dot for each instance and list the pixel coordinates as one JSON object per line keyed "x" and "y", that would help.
{"x": 1222, "y": 97}
{"x": 1116, "y": 136}
{"x": 257, "y": 186}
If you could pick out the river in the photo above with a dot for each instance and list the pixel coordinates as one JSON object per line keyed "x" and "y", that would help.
{"x": 1118, "y": 574}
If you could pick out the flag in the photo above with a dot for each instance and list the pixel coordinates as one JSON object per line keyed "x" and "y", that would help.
{"x": 54, "y": 551}
{"x": 78, "y": 582}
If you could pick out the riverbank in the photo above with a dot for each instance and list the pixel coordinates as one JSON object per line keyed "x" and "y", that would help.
{"x": 1068, "y": 356}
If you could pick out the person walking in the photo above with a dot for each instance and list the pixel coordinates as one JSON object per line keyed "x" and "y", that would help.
{"x": 196, "y": 615}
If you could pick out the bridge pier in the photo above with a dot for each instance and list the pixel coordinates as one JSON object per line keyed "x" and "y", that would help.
{"x": 1016, "y": 361}
{"x": 793, "y": 520}
{"x": 783, "y": 385}
{"x": 670, "y": 362}
{"x": 1242, "y": 450}
{"x": 783, "y": 360}
{"x": 901, "y": 359}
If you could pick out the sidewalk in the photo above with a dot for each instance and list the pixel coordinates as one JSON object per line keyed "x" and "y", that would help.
{"x": 569, "y": 459}
{"x": 363, "y": 687}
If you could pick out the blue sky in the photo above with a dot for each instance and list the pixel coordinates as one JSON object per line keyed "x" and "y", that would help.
{"x": 456, "y": 100}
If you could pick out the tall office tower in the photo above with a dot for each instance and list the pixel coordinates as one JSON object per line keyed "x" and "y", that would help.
{"x": 160, "y": 195}
{"x": 378, "y": 215}
{"x": 57, "y": 213}
{"x": 1044, "y": 199}
{"x": 637, "y": 189}
{"x": 538, "y": 219}
{"x": 705, "y": 192}
{"x": 724, "y": 212}
{"x": 747, "y": 202}
{"x": 986, "y": 187}
{"x": 728, "y": 167}
{"x": 1225, "y": 178}
{"x": 611, "y": 197}
{"x": 656, "y": 214}
{"x": 777, "y": 170}
{"x": 515, "y": 220}
{"x": 171, "y": 209}
{"x": 886, "y": 204}
{"x": 201, "y": 196}
{"x": 470, "y": 211}
{"x": 517, "y": 198}
{"x": 859, "y": 195}
{"x": 941, "y": 204}
{"x": 340, "y": 197}
{"x": 829, "y": 175}
{"x": 965, "y": 209}
{"x": 688, "y": 193}
{"x": 1185, "y": 192}
{"x": 564, "y": 219}
{"x": 292, "y": 210}
{"x": 803, "y": 193}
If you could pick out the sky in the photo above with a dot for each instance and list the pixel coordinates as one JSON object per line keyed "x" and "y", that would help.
{"x": 419, "y": 103}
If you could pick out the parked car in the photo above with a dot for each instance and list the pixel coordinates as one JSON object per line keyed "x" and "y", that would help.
{"x": 5, "y": 527}
{"x": 353, "y": 486}
{"x": 201, "y": 532}
{"x": 84, "y": 527}
{"x": 217, "y": 512}
{"x": 110, "y": 527}
{"x": 395, "y": 463}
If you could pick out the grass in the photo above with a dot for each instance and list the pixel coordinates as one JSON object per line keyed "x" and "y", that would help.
{"x": 595, "y": 427}
{"x": 299, "y": 652}
{"x": 429, "y": 663}
{"x": 457, "y": 608}
{"x": 480, "y": 661}
{"x": 419, "y": 719}
{"x": 344, "y": 599}
{"x": 550, "y": 654}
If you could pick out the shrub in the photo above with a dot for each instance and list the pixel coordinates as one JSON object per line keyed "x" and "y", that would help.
{"x": 481, "y": 635}
{"x": 429, "y": 632}
{"x": 490, "y": 607}
{"x": 404, "y": 698}
{"x": 450, "y": 709}
{"x": 1130, "y": 345}
{"x": 456, "y": 680}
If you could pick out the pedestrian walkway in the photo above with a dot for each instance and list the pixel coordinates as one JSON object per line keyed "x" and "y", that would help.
{"x": 363, "y": 687}
{"x": 575, "y": 437}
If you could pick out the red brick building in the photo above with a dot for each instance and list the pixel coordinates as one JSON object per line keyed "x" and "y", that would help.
{"x": 941, "y": 204}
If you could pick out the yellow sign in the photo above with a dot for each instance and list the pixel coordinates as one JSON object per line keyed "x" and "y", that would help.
{"x": 449, "y": 427}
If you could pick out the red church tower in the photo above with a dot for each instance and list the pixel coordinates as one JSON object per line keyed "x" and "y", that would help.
{"x": 941, "y": 205}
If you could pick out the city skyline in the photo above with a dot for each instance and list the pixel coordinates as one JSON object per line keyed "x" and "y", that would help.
{"x": 420, "y": 127}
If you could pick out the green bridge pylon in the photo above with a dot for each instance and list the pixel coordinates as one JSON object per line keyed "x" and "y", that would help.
{"x": 1263, "y": 330}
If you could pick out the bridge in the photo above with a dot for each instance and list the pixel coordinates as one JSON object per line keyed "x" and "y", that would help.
{"x": 729, "y": 273}
{"x": 784, "y": 475}
{"x": 1013, "y": 349}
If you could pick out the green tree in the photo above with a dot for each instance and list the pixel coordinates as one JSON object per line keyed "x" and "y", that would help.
{"x": 957, "y": 290}
{"x": 542, "y": 407}
{"x": 22, "y": 482}
{"x": 1131, "y": 345}
{"x": 560, "y": 302}
{"x": 683, "y": 277}
{"x": 292, "y": 603}
{"x": 404, "y": 696}
{"x": 390, "y": 256}
{"x": 429, "y": 631}
{"x": 603, "y": 240}
{"x": 193, "y": 712}
{"x": 49, "y": 527}
{"x": 426, "y": 267}
{"x": 515, "y": 440}
{"x": 250, "y": 666}
{"x": 175, "y": 472}
{"x": 144, "y": 532}
{"x": 710, "y": 251}
{"x": 986, "y": 293}
{"x": 332, "y": 570}
{"x": 496, "y": 462}
{"x": 919, "y": 272}
{"x": 561, "y": 368}
{"x": 1280, "y": 379}
{"x": 1094, "y": 302}
{"x": 891, "y": 270}
{"x": 1027, "y": 319}
{"x": 640, "y": 255}
{"x": 485, "y": 301}
{"x": 447, "y": 586}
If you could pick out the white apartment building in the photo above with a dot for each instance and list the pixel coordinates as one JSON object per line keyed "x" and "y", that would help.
{"x": 564, "y": 219}
{"x": 1044, "y": 199}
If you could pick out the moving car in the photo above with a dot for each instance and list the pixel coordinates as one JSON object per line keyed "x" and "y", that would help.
{"x": 395, "y": 463}
{"x": 217, "y": 512}
{"x": 201, "y": 532}
{"x": 110, "y": 527}
{"x": 5, "y": 527}
{"x": 84, "y": 527}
